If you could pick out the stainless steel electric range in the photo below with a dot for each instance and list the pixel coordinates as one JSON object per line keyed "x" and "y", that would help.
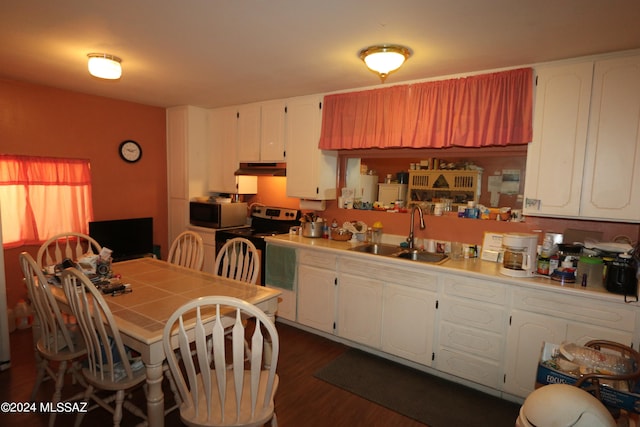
{"x": 265, "y": 221}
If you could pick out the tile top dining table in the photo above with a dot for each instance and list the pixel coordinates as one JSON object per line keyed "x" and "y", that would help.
{"x": 158, "y": 289}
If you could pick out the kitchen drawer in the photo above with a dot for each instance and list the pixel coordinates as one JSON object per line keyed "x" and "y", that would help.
{"x": 390, "y": 273}
{"x": 473, "y": 314}
{"x": 468, "y": 340}
{"x": 470, "y": 367}
{"x": 481, "y": 290}
{"x": 319, "y": 259}
{"x": 576, "y": 308}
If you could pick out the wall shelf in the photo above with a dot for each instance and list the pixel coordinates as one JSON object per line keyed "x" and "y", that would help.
{"x": 461, "y": 186}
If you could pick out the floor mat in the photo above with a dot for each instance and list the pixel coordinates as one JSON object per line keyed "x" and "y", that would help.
{"x": 431, "y": 400}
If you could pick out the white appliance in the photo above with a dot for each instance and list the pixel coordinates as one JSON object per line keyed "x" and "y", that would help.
{"x": 388, "y": 193}
{"x": 519, "y": 254}
{"x": 368, "y": 188}
{"x": 363, "y": 182}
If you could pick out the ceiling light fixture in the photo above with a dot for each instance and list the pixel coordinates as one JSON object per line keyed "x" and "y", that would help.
{"x": 384, "y": 59}
{"x": 104, "y": 66}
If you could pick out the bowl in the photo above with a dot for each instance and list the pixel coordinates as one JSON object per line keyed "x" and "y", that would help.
{"x": 340, "y": 234}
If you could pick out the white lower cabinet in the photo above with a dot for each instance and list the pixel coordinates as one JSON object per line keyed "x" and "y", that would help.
{"x": 408, "y": 322}
{"x": 471, "y": 329}
{"x": 317, "y": 289}
{"x": 526, "y": 334}
{"x": 539, "y": 316}
{"x": 286, "y": 303}
{"x": 359, "y": 309}
{"x": 394, "y": 312}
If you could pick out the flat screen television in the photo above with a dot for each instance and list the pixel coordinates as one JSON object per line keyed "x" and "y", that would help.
{"x": 127, "y": 238}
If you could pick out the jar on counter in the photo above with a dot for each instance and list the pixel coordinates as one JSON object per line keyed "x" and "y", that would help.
{"x": 543, "y": 265}
{"x": 593, "y": 268}
{"x": 376, "y": 235}
{"x": 369, "y": 235}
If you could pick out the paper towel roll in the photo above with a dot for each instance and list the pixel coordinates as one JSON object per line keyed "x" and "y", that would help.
{"x": 314, "y": 205}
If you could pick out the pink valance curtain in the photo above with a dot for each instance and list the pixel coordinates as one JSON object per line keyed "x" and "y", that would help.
{"x": 41, "y": 197}
{"x": 479, "y": 111}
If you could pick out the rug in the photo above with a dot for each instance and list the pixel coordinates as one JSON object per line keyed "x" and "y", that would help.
{"x": 428, "y": 399}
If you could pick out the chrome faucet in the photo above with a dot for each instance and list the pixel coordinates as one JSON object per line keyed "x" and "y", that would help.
{"x": 422, "y": 226}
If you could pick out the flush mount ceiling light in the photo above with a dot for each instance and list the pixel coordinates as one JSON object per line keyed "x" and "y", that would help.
{"x": 104, "y": 66}
{"x": 384, "y": 59}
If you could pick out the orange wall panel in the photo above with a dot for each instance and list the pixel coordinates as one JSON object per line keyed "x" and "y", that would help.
{"x": 43, "y": 121}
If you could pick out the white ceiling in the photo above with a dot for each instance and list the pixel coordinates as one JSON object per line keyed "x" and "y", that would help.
{"x": 213, "y": 53}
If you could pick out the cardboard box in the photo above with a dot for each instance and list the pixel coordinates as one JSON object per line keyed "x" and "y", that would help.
{"x": 610, "y": 396}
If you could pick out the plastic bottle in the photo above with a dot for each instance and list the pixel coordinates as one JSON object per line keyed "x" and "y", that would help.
{"x": 554, "y": 263}
{"x": 547, "y": 245}
{"x": 377, "y": 232}
{"x": 334, "y": 226}
{"x": 22, "y": 313}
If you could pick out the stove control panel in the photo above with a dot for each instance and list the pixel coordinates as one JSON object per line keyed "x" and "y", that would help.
{"x": 273, "y": 213}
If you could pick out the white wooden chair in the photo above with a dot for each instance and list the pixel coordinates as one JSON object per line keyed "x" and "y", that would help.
{"x": 66, "y": 245}
{"x": 187, "y": 250}
{"x": 215, "y": 385}
{"x": 108, "y": 366}
{"x": 238, "y": 259}
{"x": 56, "y": 341}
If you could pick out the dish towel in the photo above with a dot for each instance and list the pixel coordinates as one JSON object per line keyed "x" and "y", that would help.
{"x": 280, "y": 270}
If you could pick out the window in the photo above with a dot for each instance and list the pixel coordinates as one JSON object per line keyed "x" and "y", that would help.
{"x": 43, "y": 196}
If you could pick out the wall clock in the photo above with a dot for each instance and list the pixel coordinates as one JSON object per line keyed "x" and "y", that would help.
{"x": 130, "y": 151}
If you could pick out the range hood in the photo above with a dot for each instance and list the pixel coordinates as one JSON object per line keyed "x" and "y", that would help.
{"x": 262, "y": 169}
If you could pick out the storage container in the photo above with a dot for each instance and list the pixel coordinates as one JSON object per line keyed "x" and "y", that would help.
{"x": 593, "y": 267}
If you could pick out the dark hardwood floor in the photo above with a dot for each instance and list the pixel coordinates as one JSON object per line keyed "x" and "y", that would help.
{"x": 301, "y": 401}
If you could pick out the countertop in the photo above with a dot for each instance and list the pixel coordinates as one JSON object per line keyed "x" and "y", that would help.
{"x": 473, "y": 267}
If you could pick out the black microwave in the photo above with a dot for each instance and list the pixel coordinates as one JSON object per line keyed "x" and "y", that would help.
{"x": 217, "y": 215}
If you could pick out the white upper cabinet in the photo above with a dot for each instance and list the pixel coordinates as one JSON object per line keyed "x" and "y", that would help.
{"x": 555, "y": 157}
{"x": 223, "y": 158}
{"x": 611, "y": 187}
{"x": 311, "y": 172}
{"x": 261, "y": 132}
{"x": 584, "y": 160}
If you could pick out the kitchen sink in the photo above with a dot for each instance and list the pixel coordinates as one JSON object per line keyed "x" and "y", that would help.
{"x": 377, "y": 249}
{"x": 422, "y": 256}
{"x": 398, "y": 252}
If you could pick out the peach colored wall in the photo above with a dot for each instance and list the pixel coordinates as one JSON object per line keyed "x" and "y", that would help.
{"x": 43, "y": 121}
{"x": 472, "y": 231}
{"x": 272, "y": 191}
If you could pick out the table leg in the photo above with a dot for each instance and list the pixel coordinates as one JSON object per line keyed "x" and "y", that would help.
{"x": 266, "y": 355}
{"x": 155, "y": 397}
